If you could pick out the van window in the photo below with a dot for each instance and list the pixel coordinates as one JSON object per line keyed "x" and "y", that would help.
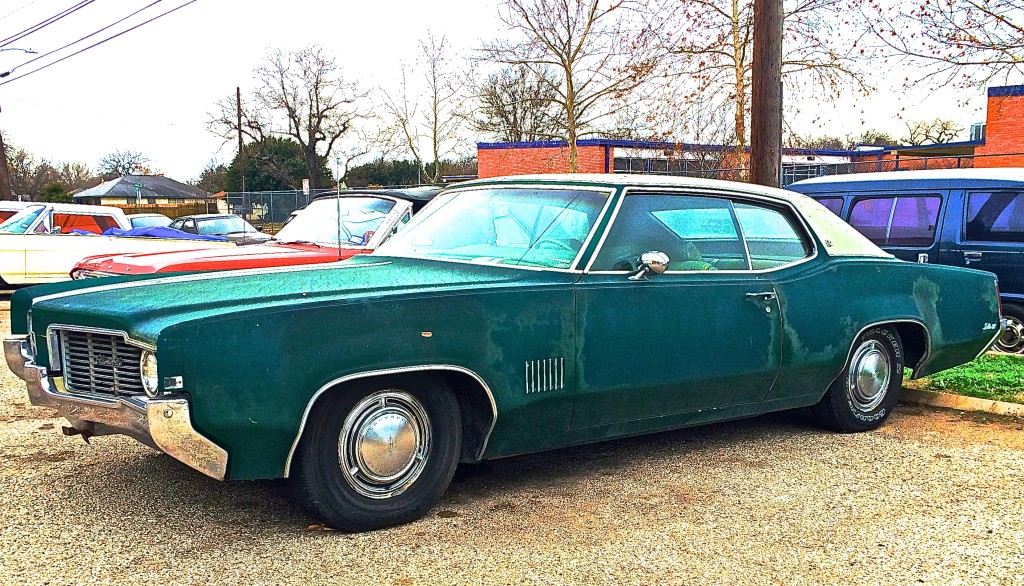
{"x": 995, "y": 216}
{"x": 832, "y": 204}
{"x": 897, "y": 221}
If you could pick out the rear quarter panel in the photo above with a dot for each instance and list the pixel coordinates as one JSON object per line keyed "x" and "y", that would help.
{"x": 826, "y": 307}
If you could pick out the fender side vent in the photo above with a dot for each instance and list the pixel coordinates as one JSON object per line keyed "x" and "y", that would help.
{"x": 545, "y": 375}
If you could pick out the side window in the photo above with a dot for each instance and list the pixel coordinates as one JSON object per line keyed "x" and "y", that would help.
{"x": 897, "y": 221}
{"x": 697, "y": 233}
{"x": 177, "y": 224}
{"x": 832, "y": 204}
{"x": 914, "y": 220}
{"x": 871, "y": 217}
{"x": 995, "y": 217}
{"x": 772, "y": 237}
{"x": 189, "y": 226}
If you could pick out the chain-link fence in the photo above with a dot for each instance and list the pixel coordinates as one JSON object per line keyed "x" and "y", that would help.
{"x": 268, "y": 210}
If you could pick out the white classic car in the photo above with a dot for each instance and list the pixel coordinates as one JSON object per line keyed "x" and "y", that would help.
{"x": 42, "y": 242}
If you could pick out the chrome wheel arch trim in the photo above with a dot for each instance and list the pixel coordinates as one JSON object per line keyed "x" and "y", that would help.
{"x": 387, "y": 372}
{"x": 884, "y": 322}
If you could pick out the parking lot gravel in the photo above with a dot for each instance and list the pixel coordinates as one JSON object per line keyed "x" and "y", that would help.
{"x": 933, "y": 497}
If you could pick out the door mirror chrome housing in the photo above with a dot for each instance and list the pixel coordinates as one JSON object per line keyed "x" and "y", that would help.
{"x": 650, "y": 262}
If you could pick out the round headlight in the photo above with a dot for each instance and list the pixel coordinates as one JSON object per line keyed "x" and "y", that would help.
{"x": 150, "y": 382}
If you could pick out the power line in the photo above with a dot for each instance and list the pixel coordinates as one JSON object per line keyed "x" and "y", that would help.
{"x": 45, "y": 23}
{"x": 94, "y": 33}
{"x": 97, "y": 43}
{"x": 19, "y": 9}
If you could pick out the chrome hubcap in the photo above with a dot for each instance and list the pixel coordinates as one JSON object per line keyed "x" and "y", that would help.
{"x": 383, "y": 444}
{"x": 1012, "y": 339}
{"x": 870, "y": 372}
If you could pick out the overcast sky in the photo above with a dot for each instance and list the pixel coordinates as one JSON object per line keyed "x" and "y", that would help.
{"x": 151, "y": 90}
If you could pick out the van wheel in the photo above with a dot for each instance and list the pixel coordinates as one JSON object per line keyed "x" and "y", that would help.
{"x": 379, "y": 453}
{"x": 863, "y": 396}
{"x": 1012, "y": 340}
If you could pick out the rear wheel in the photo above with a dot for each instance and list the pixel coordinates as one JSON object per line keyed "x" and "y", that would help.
{"x": 379, "y": 454}
{"x": 1012, "y": 340}
{"x": 863, "y": 396}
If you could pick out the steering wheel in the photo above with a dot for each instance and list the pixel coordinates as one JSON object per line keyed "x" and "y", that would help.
{"x": 558, "y": 243}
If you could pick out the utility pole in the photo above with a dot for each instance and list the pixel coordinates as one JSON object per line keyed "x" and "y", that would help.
{"x": 766, "y": 95}
{"x": 241, "y": 152}
{"x": 5, "y": 175}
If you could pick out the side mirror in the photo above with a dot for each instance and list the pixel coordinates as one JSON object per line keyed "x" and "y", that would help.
{"x": 650, "y": 262}
{"x": 55, "y": 230}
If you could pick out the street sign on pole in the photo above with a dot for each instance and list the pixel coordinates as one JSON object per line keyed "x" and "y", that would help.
{"x": 305, "y": 186}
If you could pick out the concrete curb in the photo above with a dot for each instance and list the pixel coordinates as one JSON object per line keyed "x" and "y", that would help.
{"x": 935, "y": 399}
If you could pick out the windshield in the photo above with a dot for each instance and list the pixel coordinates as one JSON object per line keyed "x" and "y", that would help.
{"x": 503, "y": 225}
{"x": 225, "y": 225}
{"x": 20, "y": 222}
{"x": 360, "y": 218}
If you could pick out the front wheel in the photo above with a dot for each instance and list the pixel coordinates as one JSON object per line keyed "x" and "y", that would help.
{"x": 863, "y": 396}
{"x": 1012, "y": 340}
{"x": 377, "y": 455}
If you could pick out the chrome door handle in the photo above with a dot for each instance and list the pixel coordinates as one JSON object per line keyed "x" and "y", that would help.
{"x": 972, "y": 256}
{"x": 764, "y": 296}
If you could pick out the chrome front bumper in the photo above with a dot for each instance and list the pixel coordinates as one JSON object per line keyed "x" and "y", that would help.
{"x": 164, "y": 423}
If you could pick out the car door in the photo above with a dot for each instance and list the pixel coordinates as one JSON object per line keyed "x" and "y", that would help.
{"x": 992, "y": 236}
{"x": 50, "y": 257}
{"x": 704, "y": 334}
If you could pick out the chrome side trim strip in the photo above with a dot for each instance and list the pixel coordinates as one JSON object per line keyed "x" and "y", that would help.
{"x": 386, "y": 372}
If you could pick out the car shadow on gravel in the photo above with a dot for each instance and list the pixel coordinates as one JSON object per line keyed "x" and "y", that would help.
{"x": 104, "y": 486}
{"x": 570, "y": 466}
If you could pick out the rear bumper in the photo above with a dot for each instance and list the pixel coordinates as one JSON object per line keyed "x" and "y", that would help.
{"x": 163, "y": 423}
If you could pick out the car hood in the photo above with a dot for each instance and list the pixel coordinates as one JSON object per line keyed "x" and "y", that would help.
{"x": 220, "y": 258}
{"x": 144, "y": 307}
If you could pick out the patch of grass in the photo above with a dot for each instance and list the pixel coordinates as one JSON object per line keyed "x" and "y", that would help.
{"x": 993, "y": 376}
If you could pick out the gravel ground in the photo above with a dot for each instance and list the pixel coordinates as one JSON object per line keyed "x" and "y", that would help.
{"x": 934, "y": 497}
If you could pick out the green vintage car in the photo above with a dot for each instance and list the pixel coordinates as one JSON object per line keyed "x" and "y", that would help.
{"x": 512, "y": 315}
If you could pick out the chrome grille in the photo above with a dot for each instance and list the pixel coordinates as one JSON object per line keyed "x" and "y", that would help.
{"x": 100, "y": 364}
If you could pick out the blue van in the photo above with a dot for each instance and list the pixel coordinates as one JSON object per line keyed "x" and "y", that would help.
{"x": 961, "y": 217}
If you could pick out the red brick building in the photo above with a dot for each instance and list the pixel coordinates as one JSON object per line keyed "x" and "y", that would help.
{"x": 997, "y": 143}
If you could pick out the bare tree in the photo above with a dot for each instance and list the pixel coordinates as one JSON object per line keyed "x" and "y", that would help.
{"x": 517, "y": 105}
{"x": 971, "y": 42}
{"x": 599, "y": 51}
{"x": 302, "y": 95}
{"x": 435, "y": 116}
{"x": 121, "y": 163}
{"x": 937, "y": 131}
{"x": 714, "y": 43}
{"x": 75, "y": 176}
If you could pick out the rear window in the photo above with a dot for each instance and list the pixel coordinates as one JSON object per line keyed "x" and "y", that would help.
{"x": 995, "y": 216}
{"x": 832, "y": 204}
{"x": 898, "y": 220}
